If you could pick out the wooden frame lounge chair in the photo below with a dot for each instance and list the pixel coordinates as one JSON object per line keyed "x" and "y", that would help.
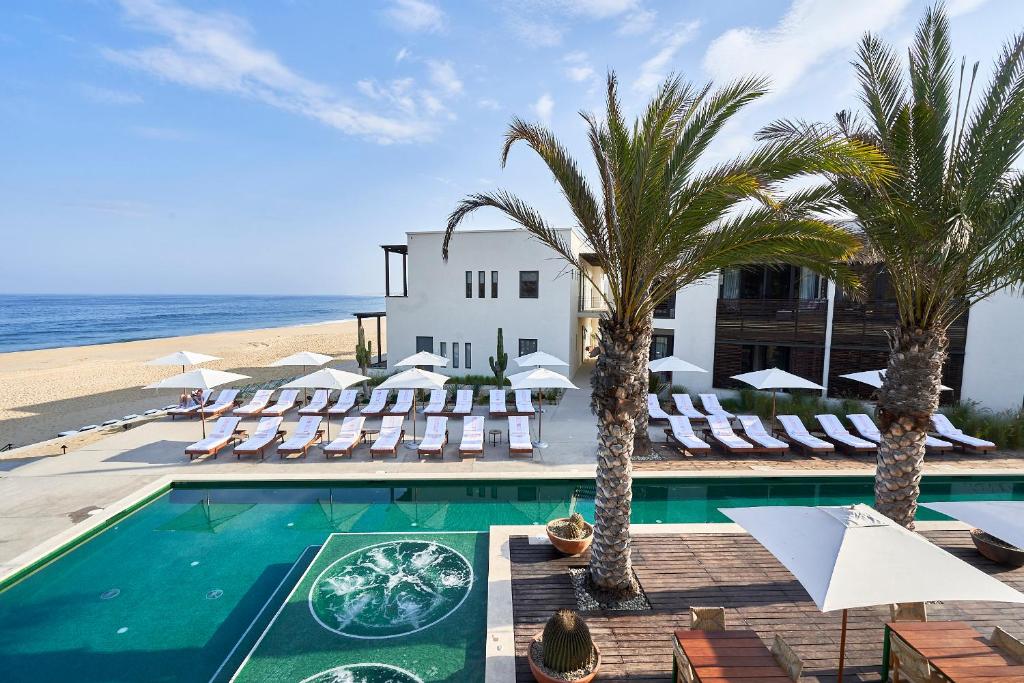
{"x": 221, "y": 435}
{"x": 498, "y": 403}
{"x": 285, "y": 401}
{"x": 787, "y": 658}
{"x": 306, "y": 432}
{"x": 711, "y": 406}
{"x": 721, "y": 431}
{"x": 318, "y": 404}
{"x": 403, "y": 402}
{"x": 438, "y": 400}
{"x": 654, "y": 409}
{"x": 868, "y": 430}
{"x": 225, "y": 402}
{"x": 802, "y": 439}
{"x": 755, "y": 432}
{"x": 519, "y": 440}
{"x": 435, "y": 437}
{"x": 524, "y": 402}
{"x": 267, "y": 432}
{"x": 684, "y": 406}
{"x": 389, "y": 436}
{"x": 188, "y": 411}
{"x": 255, "y": 406}
{"x": 966, "y": 442}
{"x": 842, "y": 438}
{"x": 680, "y": 433}
{"x": 472, "y": 436}
{"x": 378, "y": 403}
{"x": 349, "y": 437}
{"x": 346, "y": 401}
{"x": 463, "y": 402}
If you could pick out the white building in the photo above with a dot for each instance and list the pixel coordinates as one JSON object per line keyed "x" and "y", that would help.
{"x": 730, "y": 323}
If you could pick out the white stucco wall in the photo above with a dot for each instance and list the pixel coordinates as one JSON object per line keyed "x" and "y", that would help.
{"x": 437, "y": 305}
{"x": 694, "y": 328}
{"x": 993, "y": 365}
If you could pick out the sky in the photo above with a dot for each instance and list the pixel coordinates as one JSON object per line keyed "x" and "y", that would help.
{"x": 231, "y": 146}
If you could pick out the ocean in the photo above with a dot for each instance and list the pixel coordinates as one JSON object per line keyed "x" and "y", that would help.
{"x": 45, "y": 321}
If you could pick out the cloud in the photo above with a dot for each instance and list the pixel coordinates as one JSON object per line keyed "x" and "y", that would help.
{"x": 638, "y": 22}
{"x": 543, "y": 23}
{"x": 957, "y": 7}
{"x": 488, "y": 103}
{"x": 215, "y": 52}
{"x": 598, "y": 9}
{"x": 655, "y": 69}
{"x": 416, "y": 16}
{"x": 100, "y": 95}
{"x": 442, "y": 74}
{"x": 544, "y": 107}
{"x": 578, "y": 67}
{"x": 402, "y": 54}
{"x": 810, "y": 31}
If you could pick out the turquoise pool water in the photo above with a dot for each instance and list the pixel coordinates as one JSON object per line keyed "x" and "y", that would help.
{"x": 180, "y": 589}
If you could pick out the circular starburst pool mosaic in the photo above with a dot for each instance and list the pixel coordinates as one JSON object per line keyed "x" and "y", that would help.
{"x": 364, "y": 673}
{"x": 390, "y": 589}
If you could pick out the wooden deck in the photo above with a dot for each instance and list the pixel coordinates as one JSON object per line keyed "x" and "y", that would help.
{"x": 733, "y": 571}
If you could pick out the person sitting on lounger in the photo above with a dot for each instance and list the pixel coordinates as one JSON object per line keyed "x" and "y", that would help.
{"x": 185, "y": 400}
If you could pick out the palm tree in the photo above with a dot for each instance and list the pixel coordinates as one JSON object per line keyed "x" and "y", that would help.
{"x": 659, "y": 223}
{"x": 947, "y": 224}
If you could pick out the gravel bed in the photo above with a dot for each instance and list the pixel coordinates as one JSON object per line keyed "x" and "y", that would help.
{"x": 537, "y": 655}
{"x": 587, "y": 601}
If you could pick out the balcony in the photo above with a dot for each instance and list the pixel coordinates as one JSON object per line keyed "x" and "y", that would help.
{"x": 865, "y": 324}
{"x": 590, "y": 301}
{"x": 785, "y": 321}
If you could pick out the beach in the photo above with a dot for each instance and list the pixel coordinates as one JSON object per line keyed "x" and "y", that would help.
{"x": 53, "y": 390}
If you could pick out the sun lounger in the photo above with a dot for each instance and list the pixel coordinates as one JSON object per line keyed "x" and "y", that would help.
{"x": 842, "y": 438}
{"x": 346, "y": 400}
{"x": 463, "y": 402}
{"x": 255, "y": 406}
{"x": 801, "y": 438}
{"x": 438, "y": 400}
{"x": 519, "y": 441}
{"x": 684, "y": 406}
{"x": 378, "y": 403}
{"x": 348, "y": 439}
{"x": 967, "y": 442}
{"x": 681, "y": 434}
{"x": 187, "y": 411}
{"x": 524, "y": 402}
{"x": 867, "y": 429}
{"x": 285, "y": 402}
{"x": 759, "y": 436}
{"x": 435, "y": 438}
{"x": 318, "y": 404}
{"x": 721, "y": 431}
{"x": 225, "y": 402}
{"x": 472, "y": 436}
{"x": 307, "y": 431}
{"x": 389, "y": 436}
{"x": 403, "y": 404}
{"x": 267, "y": 432}
{"x": 223, "y": 432}
{"x": 654, "y": 410}
{"x": 713, "y": 407}
{"x": 498, "y": 406}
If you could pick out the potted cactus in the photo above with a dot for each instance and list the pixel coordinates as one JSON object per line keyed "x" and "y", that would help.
{"x": 564, "y": 650}
{"x": 570, "y": 535}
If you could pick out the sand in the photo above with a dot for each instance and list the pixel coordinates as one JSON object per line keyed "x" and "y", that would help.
{"x": 49, "y": 391}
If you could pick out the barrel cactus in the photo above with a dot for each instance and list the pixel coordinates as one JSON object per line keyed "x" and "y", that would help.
{"x": 567, "y": 643}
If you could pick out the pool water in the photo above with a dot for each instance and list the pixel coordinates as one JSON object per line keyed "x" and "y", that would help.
{"x": 181, "y": 589}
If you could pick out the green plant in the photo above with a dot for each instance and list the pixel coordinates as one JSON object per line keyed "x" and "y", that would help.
{"x": 655, "y": 384}
{"x": 567, "y": 642}
{"x": 499, "y": 361}
{"x": 364, "y": 354}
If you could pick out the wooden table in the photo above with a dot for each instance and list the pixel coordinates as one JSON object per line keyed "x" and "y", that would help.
{"x": 725, "y": 656}
{"x": 955, "y": 650}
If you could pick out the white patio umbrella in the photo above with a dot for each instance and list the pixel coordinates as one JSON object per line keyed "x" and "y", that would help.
{"x": 329, "y": 379}
{"x": 1003, "y": 519}
{"x": 775, "y": 379}
{"x": 303, "y": 359}
{"x": 414, "y": 379}
{"x": 183, "y": 358}
{"x": 874, "y": 378}
{"x": 540, "y": 378}
{"x": 423, "y": 358}
{"x": 852, "y": 556}
{"x": 673, "y": 364}
{"x": 198, "y": 379}
{"x": 538, "y": 359}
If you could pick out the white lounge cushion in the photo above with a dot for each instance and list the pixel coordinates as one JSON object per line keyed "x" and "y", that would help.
{"x": 711, "y": 405}
{"x": 796, "y": 431}
{"x": 433, "y": 439}
{"x": 683, "y": 432}
{"x": 225, "y": 399}
{"x": 351, "y": 432}
{"x": 285, "y": 401}
{"x": 835, "y": 430}
{"x": 304, "y": 433}
{"x": 524, "y": 401}
{"x": 756, "y": 432}
{"x": 472, "y": 433}
{"x": 258, "y": 402}
{"x": 378, "y": 399}
{"x": 654, "y": 410}
{"x": 389, "y": 434}
{"x": 519, "y": 433}
{"x": 222, "y": 431}
{"x": 463, "y": 402}
{"x": 438, "y": 399}
{"x": 346, "y": 400}
{"x": 865, "y": 426}
{"x": 265, "y": 432}
{"x": 498, "y": 401}
{"x": 684, "y": 404}
{"x": 722, "y": 430}
{"x": 403, "y": 404}
{"x": 944, "y": 427}
{"x": 317, "y": 404}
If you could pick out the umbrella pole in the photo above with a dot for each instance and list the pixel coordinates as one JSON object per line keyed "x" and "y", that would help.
{"x": 412, "y": 444}
{"x": 773, "y": 412}
{"x": 842, "y": 648}
{"x": 202, "y": 414}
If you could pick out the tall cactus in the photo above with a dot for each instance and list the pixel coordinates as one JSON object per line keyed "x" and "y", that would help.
{"x": 499, "y": 361}
{"x": 364, "y": 355}
{"x": 567, "y": 643}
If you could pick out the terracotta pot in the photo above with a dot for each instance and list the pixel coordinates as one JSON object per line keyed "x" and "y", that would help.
{"x": 541, "y": 677}
{"x": 998, "y": 551}
{"x": 570, "y": 546}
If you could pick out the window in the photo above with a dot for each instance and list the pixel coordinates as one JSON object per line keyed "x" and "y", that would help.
{"x": 469, "y": 356}
{"x": 455, "y": 354}
{"x": 469, "y": 284}
{"x": 494, "y": 284}
{"x": 761, "y": 357}
{"x": 666, "y": 308}
{"x": 529, "y": 284}
{"x": 527, "y": 346}
{"x": 483, "y": 284}
{"x": 425, "y": 344}
{"x": 442, "y": 349}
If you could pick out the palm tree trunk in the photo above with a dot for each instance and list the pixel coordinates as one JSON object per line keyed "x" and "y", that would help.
{"x": 908, "y": 398}
{"x": 642, "y": 438}
{"x": 615, "y": 400}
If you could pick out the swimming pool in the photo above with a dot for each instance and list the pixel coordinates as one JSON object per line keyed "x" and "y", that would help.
{"x": 180, "y": 589}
